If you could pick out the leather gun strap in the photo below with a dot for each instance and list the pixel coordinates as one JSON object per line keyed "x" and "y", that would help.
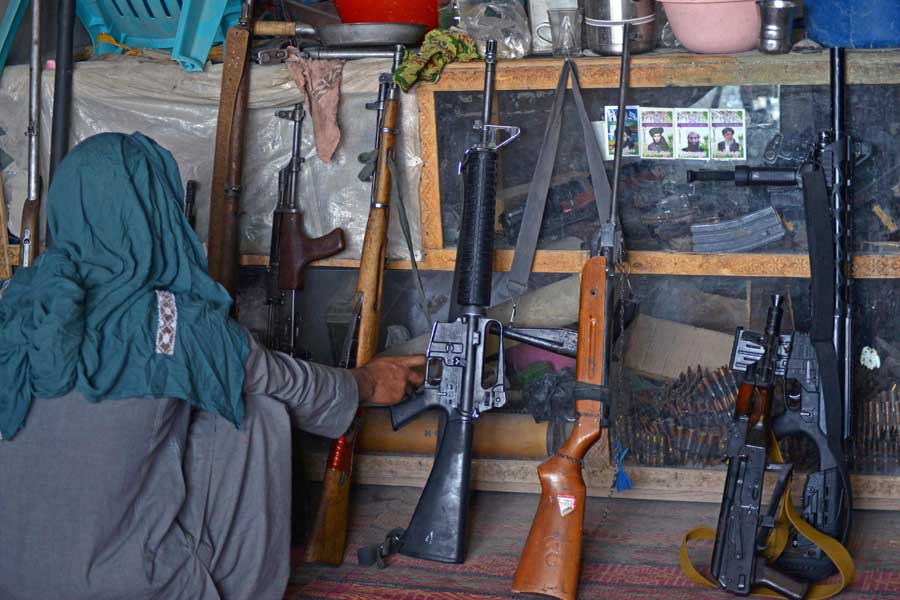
{"x": 535, "y": 204}
{"x": 233, "y": 72}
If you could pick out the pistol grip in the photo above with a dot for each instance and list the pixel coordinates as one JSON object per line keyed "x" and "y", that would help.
{"x": 403, "y": 412}
{"x": 298, "y": 250}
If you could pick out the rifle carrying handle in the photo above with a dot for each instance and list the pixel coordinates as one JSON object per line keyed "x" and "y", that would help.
{"x": 298, "y": 250}
{"x": 475, "y": 251}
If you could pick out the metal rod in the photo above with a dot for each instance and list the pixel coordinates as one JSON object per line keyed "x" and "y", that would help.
{"x": 841, "y": 202}
{"x": 62, "y": 89}
{"x": 490, "y": 70}
{"x": 318, "y": 52}
{"x": 293, "y": 183}
{"x": 620, "y": 120}
{"x": 34, "y": 105}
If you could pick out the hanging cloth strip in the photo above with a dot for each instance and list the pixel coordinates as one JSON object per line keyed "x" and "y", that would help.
{"x": 787, "y": 517}
{"x": 526, "y": 244}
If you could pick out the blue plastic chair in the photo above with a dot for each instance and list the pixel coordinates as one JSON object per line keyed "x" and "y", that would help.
{"x": 15, "y": 11}
{"x": 188, "y": 27}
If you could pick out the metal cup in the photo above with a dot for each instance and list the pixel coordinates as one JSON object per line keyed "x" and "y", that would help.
{"x": 777, "y": 25}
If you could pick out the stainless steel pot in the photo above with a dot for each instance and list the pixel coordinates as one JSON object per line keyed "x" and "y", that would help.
{"x": 603, "y": 25}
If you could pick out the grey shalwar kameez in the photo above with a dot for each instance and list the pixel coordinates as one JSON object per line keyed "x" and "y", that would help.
{"x": 150, "y": 499}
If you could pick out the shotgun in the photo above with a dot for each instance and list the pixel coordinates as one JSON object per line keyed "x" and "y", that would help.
{"x": 291, "y": 250}
{"x": 31, "y": 211}
{"x": 225, "y": 191}
{"x": 329, "y": 532}
{"x": 552, "y": 556}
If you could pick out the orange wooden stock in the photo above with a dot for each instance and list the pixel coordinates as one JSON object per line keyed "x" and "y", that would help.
{"x": 551, "y": 559}
{"x": 329, "y": 533}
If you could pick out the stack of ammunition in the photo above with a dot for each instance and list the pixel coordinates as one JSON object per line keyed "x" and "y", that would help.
{"x": 683, "y": 424}
{"x": 876, "y": 443}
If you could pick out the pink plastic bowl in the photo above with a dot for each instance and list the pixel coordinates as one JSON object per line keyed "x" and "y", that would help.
{"x": 715, "y": 26}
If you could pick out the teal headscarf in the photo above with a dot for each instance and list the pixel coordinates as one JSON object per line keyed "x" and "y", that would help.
{"x": 95, "y": 312}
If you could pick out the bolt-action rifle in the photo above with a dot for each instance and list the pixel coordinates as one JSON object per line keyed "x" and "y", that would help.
{"x": 329, "y": 533}
{"x": 31, "y": 211}
{"x": 551, "y": 559}
{"x": 291, "y": 250}
{"x": 455, "y": 364}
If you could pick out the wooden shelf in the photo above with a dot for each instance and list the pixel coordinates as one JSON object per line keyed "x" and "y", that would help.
{"x": 644, "y": 263}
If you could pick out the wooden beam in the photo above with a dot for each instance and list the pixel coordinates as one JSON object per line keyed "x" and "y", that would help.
{"x": 870, "y": 492}
{"x": 677, "y": 68}
{"x": 871, "y": 266}
{"x": 429, "y": 180}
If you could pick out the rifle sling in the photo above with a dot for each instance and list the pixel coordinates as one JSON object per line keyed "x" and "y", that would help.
{"x": 536, "y": 202}
{"x": 787, "y": 517}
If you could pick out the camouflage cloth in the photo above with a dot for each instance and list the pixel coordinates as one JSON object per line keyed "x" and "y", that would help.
{"x": 440, "y": 47}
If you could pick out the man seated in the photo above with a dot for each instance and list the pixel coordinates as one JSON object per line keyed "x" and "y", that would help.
{"x": 146, "y": 445}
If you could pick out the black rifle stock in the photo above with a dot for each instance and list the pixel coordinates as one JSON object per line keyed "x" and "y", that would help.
{"x": 454, "y": 375}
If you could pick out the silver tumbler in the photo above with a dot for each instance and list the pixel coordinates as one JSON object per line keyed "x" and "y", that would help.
{"x": 777, "y": 25}
{"x": 604, "y": 20}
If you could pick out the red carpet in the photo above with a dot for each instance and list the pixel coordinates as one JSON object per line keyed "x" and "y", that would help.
{"x": 631, "y": 552}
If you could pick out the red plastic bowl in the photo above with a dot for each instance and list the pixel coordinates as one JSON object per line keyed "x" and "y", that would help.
{"x": 424, "y": 12}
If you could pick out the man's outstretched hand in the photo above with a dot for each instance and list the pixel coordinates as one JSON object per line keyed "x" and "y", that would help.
{"x": 387, "y": 379}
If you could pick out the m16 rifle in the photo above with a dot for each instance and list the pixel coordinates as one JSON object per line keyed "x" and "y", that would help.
{"x": 825, "y": 178}
{"x": 291, "y": 250}
{"x": 456, "y": 354}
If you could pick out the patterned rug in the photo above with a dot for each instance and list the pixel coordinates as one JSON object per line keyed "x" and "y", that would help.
{"x": 630, "y": 552}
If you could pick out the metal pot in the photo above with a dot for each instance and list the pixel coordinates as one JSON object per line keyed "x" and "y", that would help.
{"x": 603, "y": 25}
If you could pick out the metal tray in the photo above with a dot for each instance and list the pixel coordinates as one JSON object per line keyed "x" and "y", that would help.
{"x": 371, "y": 34}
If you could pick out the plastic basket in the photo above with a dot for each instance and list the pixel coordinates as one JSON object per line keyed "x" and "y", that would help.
{"x": 188, "y": 27}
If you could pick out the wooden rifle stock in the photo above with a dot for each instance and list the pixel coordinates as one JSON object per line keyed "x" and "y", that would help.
{"x": 224, "y": 219}
{"x": 551, "y": 559}
{"x": 329, "y": 534}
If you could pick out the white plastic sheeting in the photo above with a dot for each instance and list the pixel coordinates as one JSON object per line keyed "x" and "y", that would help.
{"x": 178, "y": 110}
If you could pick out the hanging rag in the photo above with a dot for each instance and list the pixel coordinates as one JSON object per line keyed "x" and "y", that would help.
{"x": 121, "y": 304}
{"x": 320, "y": 83}
{"x": 439, "y": 48}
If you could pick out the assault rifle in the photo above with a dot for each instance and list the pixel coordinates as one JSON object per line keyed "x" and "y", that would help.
{"x": 329, "y": 533}
{"x": 825, "y": 177}
{"x": 291, "y": 250}
{"x": 454, "y": 382}
{"x": 743, "y": 530}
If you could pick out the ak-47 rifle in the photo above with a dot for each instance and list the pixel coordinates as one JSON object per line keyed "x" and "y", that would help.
{"x": 743, "y": 529}
{"x": 329, "y": 533}
{"x": 31, "y": 211}
{"x": 456, "y": 354}
{"x": 291, "y": 250}
{"x": 551, "y": 559}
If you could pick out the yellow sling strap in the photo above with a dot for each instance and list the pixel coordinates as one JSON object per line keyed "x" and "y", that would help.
{"x": 787, "y": 517}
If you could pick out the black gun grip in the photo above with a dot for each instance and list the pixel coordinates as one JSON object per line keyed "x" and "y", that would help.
{"x": 403, "y": 412}
{"x": 437, "y": 530}
{"x": 475, "y": 250}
